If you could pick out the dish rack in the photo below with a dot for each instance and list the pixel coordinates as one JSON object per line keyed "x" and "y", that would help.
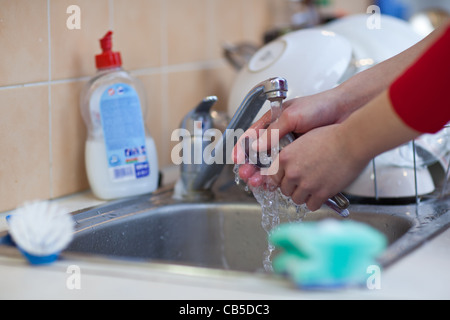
{"x": 416, "y": 171}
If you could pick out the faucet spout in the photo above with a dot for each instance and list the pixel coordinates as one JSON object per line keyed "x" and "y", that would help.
{"x": 271, "y": 89}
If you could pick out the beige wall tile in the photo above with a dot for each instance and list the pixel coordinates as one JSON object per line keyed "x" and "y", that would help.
{"x": 352, "y": 6}
{"x": 187, "y": 30}
{"x": 137, "y": 32}
{"x": 220, "y": 83}
{"x": 239, "y": 21}
{"x": 227, "y": 24}
{"x": 68, "y": 140}
{"x": 154, "y": 113}
{"x": 24, "y": 137}
{"x": 259, "y": 21}
{"x": 73, "y": 51}
{"x": 186, "y": 90}
{"x": 23, "y": 41}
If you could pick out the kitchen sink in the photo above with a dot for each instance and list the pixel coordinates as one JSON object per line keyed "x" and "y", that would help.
{"x": 226, "y": 233}
{"x": 217, "y": 235}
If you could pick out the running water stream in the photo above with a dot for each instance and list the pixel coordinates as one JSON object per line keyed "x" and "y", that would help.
{"x": 276, "y": 208}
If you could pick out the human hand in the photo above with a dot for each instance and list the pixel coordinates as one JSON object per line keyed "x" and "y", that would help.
{"x": 316, "y": 166}
{"x": 249, "y": 172}
{"x": 299, "y": 116}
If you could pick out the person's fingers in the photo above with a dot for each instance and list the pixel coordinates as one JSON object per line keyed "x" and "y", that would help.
{"x": 256, "y": 179}
{"x": 238, "y": 153}
{"x": 274, "y": 174}
{"x": 263, "y": 122}
{"x": 275, "y": 131}
{"x": 316, "y": 201}
{"x": 300, "y": 196}
{"x": 246, "y": 171}
{"x": 287, "y": 188}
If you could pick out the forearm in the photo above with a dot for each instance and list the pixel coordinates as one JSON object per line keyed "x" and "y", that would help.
{"x": 374, "y": 129}
{"x": 366, "y": 85}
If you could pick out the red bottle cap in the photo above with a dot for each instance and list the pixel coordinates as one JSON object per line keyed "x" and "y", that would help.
{"x": 108, "y": 58}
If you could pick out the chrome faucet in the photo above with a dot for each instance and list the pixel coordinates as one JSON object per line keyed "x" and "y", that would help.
{"x": 197, "y": 179}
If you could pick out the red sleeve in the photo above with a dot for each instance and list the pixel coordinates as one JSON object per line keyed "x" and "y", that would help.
{"x": 421, "y": 95}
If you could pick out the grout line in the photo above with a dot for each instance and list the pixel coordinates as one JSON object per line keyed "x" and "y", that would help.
{"x": 49, "y": 101}
{"x": 71, "y": 80}
{"x": 164, "y": 80}
{"x": 44, "y": 83}
{"x": 202, "y": 65}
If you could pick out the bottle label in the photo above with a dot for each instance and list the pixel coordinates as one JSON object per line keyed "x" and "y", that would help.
{"x": 124, "y": 133}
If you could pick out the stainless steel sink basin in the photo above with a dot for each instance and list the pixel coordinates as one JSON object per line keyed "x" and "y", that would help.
{"x": 226, "y": 233}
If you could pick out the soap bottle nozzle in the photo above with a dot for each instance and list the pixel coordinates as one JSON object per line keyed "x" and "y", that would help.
{"x": 106, "y": 42}
{"x": 108, "y": 58}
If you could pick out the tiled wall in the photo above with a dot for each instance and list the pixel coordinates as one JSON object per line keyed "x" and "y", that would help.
{"x": 172, "y": 46}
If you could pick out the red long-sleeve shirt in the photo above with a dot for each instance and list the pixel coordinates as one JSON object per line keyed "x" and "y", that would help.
{"x": 421, "y": 95}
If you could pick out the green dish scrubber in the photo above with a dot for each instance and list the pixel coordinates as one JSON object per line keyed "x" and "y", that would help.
{"x": 329, "y": 253}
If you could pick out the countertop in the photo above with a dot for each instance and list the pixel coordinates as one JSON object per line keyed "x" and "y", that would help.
{"x": 423, "y": 274}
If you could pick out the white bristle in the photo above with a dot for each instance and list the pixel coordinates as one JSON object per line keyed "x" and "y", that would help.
{"x": 41, "y": 228}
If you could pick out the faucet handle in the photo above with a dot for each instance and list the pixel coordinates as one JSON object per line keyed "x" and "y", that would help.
{"x": 200, "y": 113}
{"x": 205, "y": 105}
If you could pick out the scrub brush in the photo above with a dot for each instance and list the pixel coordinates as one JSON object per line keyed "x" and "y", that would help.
{"x": 326, "y": 254}
{"x": 41, "y": 230}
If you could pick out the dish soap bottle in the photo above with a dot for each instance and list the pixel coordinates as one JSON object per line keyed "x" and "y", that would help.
{"x": 121, "y": 158}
